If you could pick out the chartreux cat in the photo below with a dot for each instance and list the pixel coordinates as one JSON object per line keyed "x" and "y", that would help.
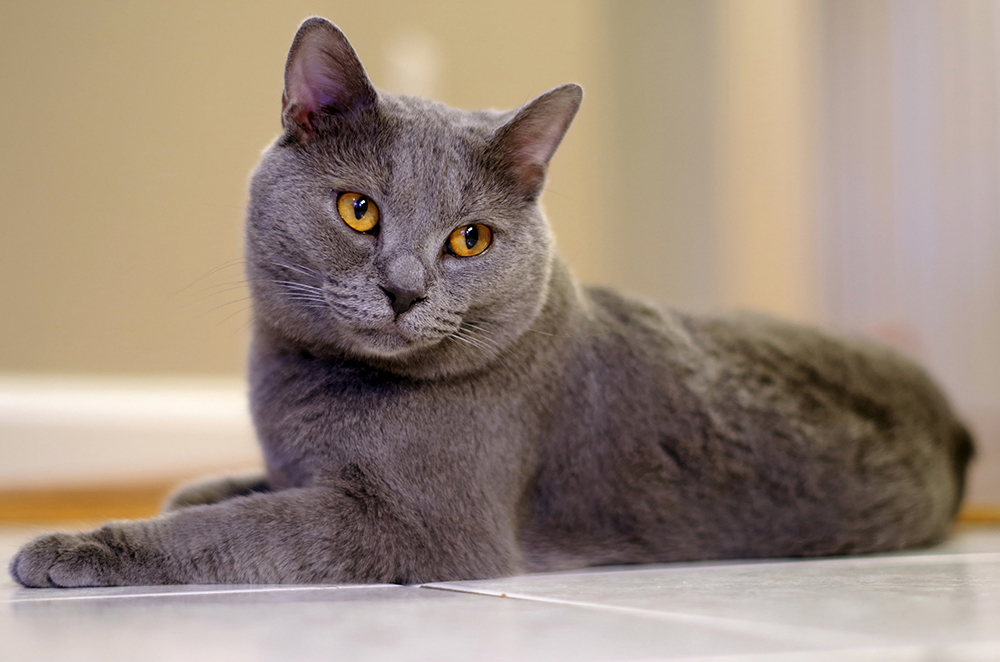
{"x": 438, "y": 399}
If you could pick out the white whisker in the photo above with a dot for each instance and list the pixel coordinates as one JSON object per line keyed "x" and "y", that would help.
{"x": 224, "y": 265}
{"x": 305, "y": 271}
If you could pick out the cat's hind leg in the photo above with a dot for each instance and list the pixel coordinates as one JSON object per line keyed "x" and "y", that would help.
{"x": 211, "y": 490}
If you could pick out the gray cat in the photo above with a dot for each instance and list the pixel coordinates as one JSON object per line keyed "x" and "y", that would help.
{"x": 437, "y": 399}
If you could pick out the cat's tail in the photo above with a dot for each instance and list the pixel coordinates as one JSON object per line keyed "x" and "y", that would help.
{"x": 962, "y": 453}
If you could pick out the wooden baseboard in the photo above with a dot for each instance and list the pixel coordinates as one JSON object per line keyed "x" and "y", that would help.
{"x": 979, "y": 514}
{"x": 96, "y": 504}
{"x": 87, "y": 504}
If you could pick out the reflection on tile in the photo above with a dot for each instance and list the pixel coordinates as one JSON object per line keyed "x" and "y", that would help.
{"x": 389, "y": 623}
{"x": 940, "y": 604}
{"x": 935, "y": 597}
{"x": 119, "y": 592}
{"x": 979, "y": 652}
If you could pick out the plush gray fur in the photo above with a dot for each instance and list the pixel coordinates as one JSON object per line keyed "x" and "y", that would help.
{"x": 509, "y": 420}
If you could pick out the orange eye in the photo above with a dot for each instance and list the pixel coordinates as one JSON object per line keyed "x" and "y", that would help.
{"x": 470, "y": 240}
{"x": 358, "y": 212}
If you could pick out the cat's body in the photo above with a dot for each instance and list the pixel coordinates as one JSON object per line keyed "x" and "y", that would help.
{"x": 614, "y": 433}
{"x": 430, "y": 415}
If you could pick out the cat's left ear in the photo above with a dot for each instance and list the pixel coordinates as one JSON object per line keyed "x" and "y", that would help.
{"x": 323, "y": 74}
{"x": 527, "y": 142}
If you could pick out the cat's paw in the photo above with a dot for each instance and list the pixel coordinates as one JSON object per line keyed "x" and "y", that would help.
{"x": 66, "y": 560}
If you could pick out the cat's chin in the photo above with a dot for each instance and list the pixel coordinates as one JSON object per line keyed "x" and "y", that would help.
{"x": 391, "y": 344}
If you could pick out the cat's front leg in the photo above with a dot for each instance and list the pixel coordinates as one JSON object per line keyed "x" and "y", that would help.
{"x": 215, "y": 489}
{"x": 300, "y": 535}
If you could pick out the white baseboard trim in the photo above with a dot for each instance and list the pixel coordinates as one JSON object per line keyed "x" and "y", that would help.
{"x": 94, "y": 431}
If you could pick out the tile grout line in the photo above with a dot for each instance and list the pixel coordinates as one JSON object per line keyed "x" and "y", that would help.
{"x": 777, "y": 631}
{"x": 877, "y": 559}
{"x": 171, "y": 594}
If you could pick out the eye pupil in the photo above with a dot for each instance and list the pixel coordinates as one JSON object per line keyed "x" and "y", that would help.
{"x": 469, "y": 240}
{"x": 360, "y": 208}
{"x": 358, "y": 212}
{"x": 471, "y": 235}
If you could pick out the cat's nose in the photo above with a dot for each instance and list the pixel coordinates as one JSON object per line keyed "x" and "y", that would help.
{"x": 402, "y": 300}
{"x": 404, "y": 282}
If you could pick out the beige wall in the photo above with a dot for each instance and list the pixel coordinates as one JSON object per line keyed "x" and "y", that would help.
{"x": 128, "y": 131}
{"x": 766, "y": 160}
{"x": 729, "y": 153}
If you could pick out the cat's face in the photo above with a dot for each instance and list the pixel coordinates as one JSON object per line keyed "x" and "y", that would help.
{"x": 395, "y": 230}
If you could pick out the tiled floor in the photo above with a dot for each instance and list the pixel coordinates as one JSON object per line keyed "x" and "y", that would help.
{"x": 941, "y": 604}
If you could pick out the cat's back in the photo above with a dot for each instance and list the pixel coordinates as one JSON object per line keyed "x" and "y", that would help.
{"x": 742, "y": 435}
{"x": 844, "y": 392}
{"x": 748, "y": 363}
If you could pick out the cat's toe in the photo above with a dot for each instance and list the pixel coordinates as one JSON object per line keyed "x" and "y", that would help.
{"x": 30, "y": 566}
{"x": 64, "y": 560}
{"x": 90, "y": 563}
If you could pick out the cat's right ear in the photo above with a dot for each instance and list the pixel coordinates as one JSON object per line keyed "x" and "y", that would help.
{"x": 323, "y": 74}
{"x": 526, "y": 143}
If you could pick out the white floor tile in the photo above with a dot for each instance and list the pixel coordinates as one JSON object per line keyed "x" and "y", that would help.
{"x": 940, "y": 604}
{"x": 979, "y": 652}
{"x": 389, "y": 623}
{"x": 936, "y": 597}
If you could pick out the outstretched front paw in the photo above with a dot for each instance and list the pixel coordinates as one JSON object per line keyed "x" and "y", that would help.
{"x": 67, "y": 560}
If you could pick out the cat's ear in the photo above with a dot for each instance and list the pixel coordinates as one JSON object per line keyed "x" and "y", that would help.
{"x": 526, "y": 143}
{"x": 322, "y": 75}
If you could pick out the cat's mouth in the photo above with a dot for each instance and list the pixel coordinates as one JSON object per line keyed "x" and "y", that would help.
{"x": 397, "y": 339}
{"x": 350, "y": 320}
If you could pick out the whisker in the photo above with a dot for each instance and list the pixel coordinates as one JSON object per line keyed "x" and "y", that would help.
{"x": 460, "y": 338}
{"x": 472, "y": 341}
{"x": 243, "y": 326}
{"x": 487, "y": 341}
{"x": 205, "y": 297}
{"x": 305, "y": 271}
{"x": 307, "y": 300}
{"x": 476, "y": 325}
{"x": 306, "y": 293}
{"x": 224, "y": 265}
{"x": 226, "y": 283}
{"x": 228, "y": 317}
{"x": 229, "y": 303}
{"x": 299, "y": 286}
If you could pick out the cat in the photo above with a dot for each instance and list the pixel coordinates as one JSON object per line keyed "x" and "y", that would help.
{"x": 438, "y": 399}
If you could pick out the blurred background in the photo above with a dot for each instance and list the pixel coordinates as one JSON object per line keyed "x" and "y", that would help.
{"x": 831, "y": 161}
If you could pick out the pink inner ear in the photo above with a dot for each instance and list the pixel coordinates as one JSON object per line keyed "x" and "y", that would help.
{"x": 323, "y": 73}
{"x": 317, "y": 89}
{"x": 308, "y": 87}
{"x": 531, "y": 138}
{"x": 536, "y": 141}
{"x": 537, "y": 131}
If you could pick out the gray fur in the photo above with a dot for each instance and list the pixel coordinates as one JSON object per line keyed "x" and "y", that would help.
{"x": 216, "y": 489}
{"x": 509, "y": 420}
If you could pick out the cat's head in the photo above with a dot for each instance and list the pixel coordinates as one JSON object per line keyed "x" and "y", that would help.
{"x": 395, "y": 230}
